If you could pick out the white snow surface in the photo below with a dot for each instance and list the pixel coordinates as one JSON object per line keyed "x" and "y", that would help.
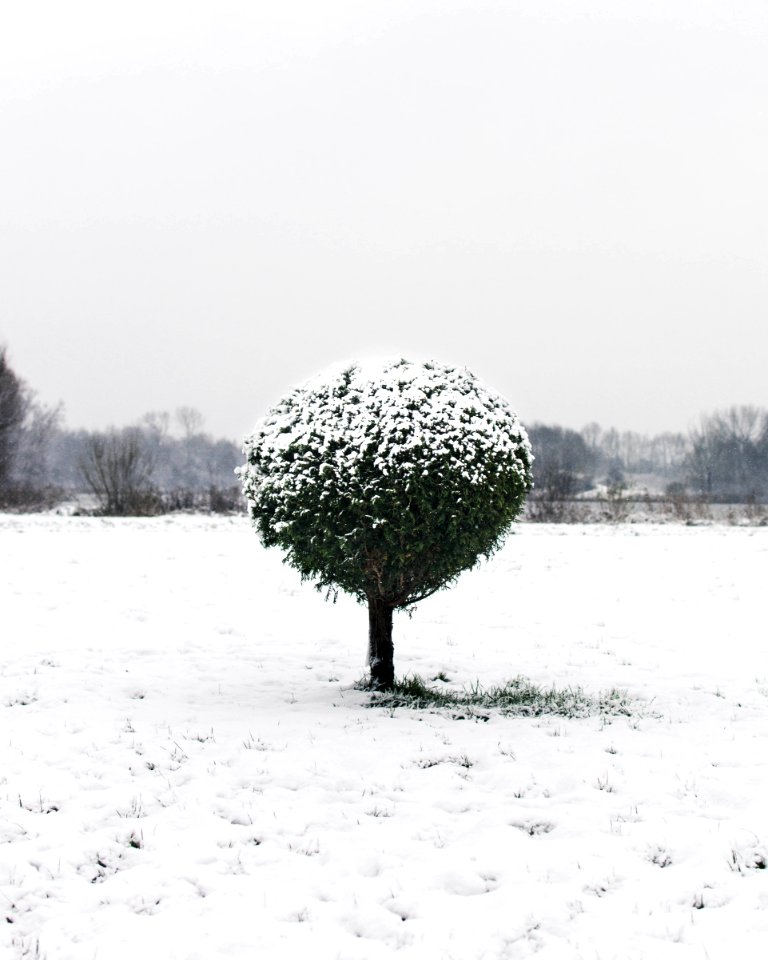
{"x": 186, "y": 771}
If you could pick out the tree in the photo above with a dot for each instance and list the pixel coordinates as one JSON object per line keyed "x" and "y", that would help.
{"x": 729, "y": 455}
{"x": 13, "y": 409}
{"x": 190, "y": 420}
{"x": 35, "y": 439}
{"x": 117, "y": 467}
{"x": 564, "y": 462}
{"x": 386, "y": 482}
{"x": 27, "y": 431}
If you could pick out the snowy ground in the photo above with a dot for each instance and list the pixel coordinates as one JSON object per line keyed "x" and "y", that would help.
{"x": 186, "y": 771}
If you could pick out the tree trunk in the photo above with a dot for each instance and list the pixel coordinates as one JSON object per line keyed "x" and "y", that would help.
{"x": 380, "y": 649}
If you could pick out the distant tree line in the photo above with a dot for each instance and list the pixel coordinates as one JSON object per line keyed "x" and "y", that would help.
{"x": 168, "y": 462}
{"x": 165, "y": 462}
{"x": 724, "y": 459}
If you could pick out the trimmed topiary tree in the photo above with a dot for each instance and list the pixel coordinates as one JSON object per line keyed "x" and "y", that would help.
{"x": 386, "y": 481}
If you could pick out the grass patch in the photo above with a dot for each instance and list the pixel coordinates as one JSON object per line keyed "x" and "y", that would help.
{"x": 518, "y": 697}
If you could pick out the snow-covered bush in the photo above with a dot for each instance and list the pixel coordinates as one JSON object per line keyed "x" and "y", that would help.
{"x": 387, "y": 480}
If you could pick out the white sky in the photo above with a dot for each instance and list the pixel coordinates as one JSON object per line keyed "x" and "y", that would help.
{"x": 202, "y": 203}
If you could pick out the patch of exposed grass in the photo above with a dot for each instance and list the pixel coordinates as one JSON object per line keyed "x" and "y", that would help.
{"x": 518, "y": 697}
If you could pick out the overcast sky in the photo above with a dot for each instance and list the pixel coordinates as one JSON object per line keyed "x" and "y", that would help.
{"x": 202, "y": 203}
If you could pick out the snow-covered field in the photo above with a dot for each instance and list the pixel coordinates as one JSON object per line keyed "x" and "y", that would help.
{"x": 187, "y": 772}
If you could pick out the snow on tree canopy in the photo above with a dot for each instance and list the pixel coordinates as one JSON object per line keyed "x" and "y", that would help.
{"x": 387, "y": 480}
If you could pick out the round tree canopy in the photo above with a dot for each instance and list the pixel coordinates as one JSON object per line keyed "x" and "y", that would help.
{"x": 387, "y": 480}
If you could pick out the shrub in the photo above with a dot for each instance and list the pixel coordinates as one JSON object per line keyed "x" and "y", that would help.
{"x": 28, "y": 498}
{"x": 386, "y": 482}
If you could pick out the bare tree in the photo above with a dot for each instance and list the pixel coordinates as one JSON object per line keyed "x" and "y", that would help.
{"x": 35, "y": 439}
{"x": 157, "y": 422}
{"x": 190, "y": 420}
{"x": 117, "y": 467}
{"x": 668, "y": 452}
{"x": 729, "y": 456}
{"x": 563, "y": 468}
{"x": 592, "y": 434}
